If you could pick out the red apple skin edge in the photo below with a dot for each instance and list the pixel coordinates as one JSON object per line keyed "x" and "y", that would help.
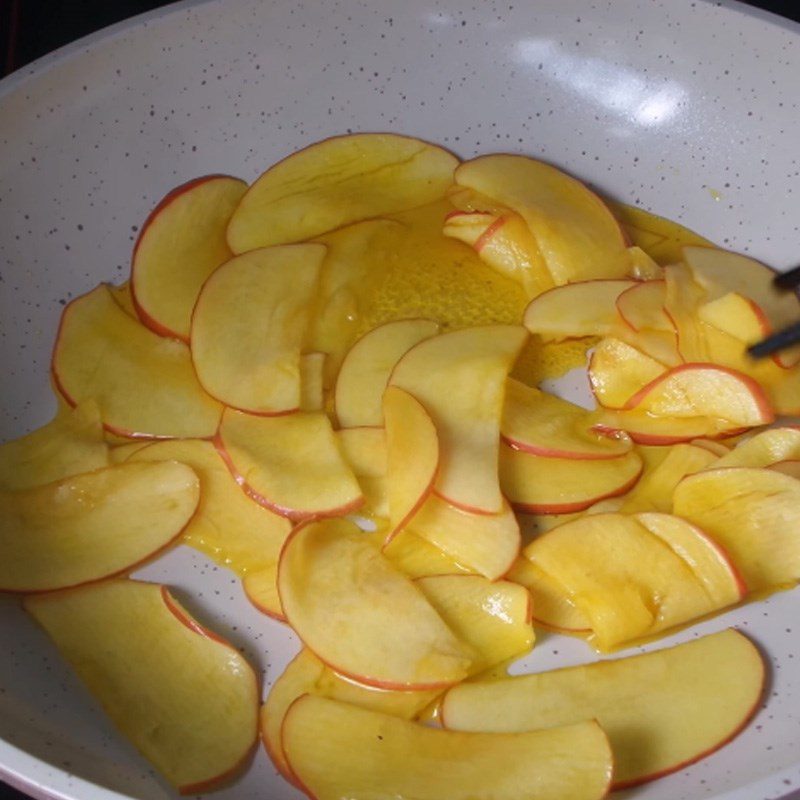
{"x": 630, "y": 289}
{"x": 294, "y": 779}
{"x": 144, "y": 317}
{"x": 662, "y": 439}
{"x": 484, "y": 238}
{"x": 571, "y": 455}
{"x": 458, "y": 213}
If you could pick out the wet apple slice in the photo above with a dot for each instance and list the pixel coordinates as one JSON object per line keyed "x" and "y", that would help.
{"x": 72, "y": 442}
{"x": 618, "y": 371}
{"x": 364, "y": 449}
{"x": 416, "y": 557}
{"x": 181, "y": 243}
{"x": 144, "y": 384}
{"x": 459, "y": 377}
{"x": 765, "y": 448}
{"x": 337, "y": 182}
{"x": 700, "y": 695}
{"x": 683, "y": 297}
{"x": 642, "y": 306}
{"x": 375, "y": 755}
{"x": 93, "y": 525}
{"x": 249, "y": 327}
{"x": 312, "y": 381}
{"x": 575, "y": 231}
{"x": 360, "y": 615}
{"x": 188, "y": 703}
{"x": 290, "y": 463}
{"x": 646, "y": 429}
{"x": 539, "y": 484}
{"x": 367, "y": 366}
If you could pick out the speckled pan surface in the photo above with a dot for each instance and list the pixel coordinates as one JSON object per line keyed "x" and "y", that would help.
{"x": 686, "y": 107}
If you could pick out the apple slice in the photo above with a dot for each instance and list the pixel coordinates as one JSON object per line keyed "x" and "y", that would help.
{"x": 790, "y": 467}
{"x": 646, "y": 429}
{"x": 700, "y": 695}
{"x": 493, "y": 617}
{"x": 122, "y": 296}
{"x": 93, "y": 525}
{"x": 181, "y": 243}
{"x": 763, "y": 449}
{"x": 375, "y": 755}
{"x": 362, "y": 616}
{"x": 364, "y": 449}
{"x": 416, "y": 557}
{"x": 542, "y": 485}
{"x": 586, "y": 308}
{"x": 546, "y": 425}
{"x": 683, "y": 297}
{"x": 249, "y": 325}
{"x": 460, "y": 379}
{"x": 642, "y": 306}
{"x": 754, "y": 514}
{"x": 189, "y": 704}
{"x": 575, "y": 231}
{"x": 312, "y": 381}
{"x": 719, "y": 449}
{"x": 71, "y": 443}
{"x": 412, "y": 456}
{"x": 336, "y": 182}
{"x": 144, "y": 384}
{"x": 367, "y": 366}
{"x": 618, "y": 371}
{"x": 643, "y": 266}
{"x": 484, "y": 543}
{"x": 291, "y": 464}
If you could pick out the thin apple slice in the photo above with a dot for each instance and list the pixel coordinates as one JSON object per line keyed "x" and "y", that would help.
{"x": 494, "y": 617}
{"x": 646, "y": 429}
{"x": 249, "y": 326}
{"x": 312, "y": 381}
{"x": 367, "y": 366}
{"x": 485, "y": 543}
{"x": 618, "y": 371}
{"x": 626, "y": 580}
{"x": 763, "y": 449}
{"x": 336, "y": 182}
{"x": 718, "y": 448}
{"x": 181, "y": 243}
{"x": 93, "y": 525}
{"x": 476, "y": 361}
{"x": 754, "y": 514}
{"x": 683, "y": 297}
{"x": 375, "y": 755}
{"x": 412, "y": 456}
{"x": 416, "y": 557}
{"x": 790, "y": 467}
{"x": 144, "y": 384}
{"x": 546, "y": 425}
{"x": 574, "y": 230}
{"x": 587, "y": 308}
{"x": 122, "y": 296}
{"x": 189, "y": 704}
{"x": 541, "y": 485}
{"x": 360, "y": 615}
{"x": 364, "y": 449}
{"x": 290, "y": 463}
{"x": 71, "y": 443}
{"x": 642, "y": 306}
{"x": 643, "y": 266}
{"x": 700, "y": 695}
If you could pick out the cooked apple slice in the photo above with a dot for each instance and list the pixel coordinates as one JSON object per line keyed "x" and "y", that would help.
{"x": 494, "y": 617}
{"x": 705, "y": 390}
{"x": 249, "y": 326}
{"x": 646, "y": 429}
{"x": 541, "y": 485}
{"x": 642, "y": 306}
{"x": 618, "y": 371}
{"x": 337, "y": 182}
{"x": 575, "y": 231}
{"x": 364, "y": 449}
{"x": 290, "y": 463}
{"x": 485, "y": 543}
{"x": 546, "y": 425}
{"x": 763, "y": 449}
{"x": 122, "y": 296}
{"x": 412, "y": 456}
{"x": 181, "y": 243}
{"x": 375, "y": 755}
{"x": 753, "y": 513}
{"x": 367, "y": 366}
{"x": 144, "y": 384}
{"x": 790, "y": 467}
{"x": 587, "y": 308}
{"x": 719, "y": 449}
{"x": 312, "y": 381}
{"x": 700, "y": 695}
{"x": 416, "y": 557}
{"x": 643, "y": 266}
{"x": 682, "y": 299}
{"x": 477, "y": 362}
{"x": 72, "y": 442}
{"x": 621, "y": 576}
{"x": 93, "y": 525}
{"x": 362, "y": 616}
{"x": 189, "y": 704}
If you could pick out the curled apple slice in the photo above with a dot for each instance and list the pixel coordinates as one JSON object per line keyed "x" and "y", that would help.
{"x": 617, "y": 371}
{"x": 360, "y": 615}
{"x": 416, "y": 557}
{"x": 700, "y": 695}
{"x": 337, "y": 182}
{"x": 189, "y": 705}
{"x": 92, "y": 525}
{"x": 364, "y": 449}
{"x": 763, "y": 449}
{"x": 641, "y": 306}
{"x": 646, "y": 429}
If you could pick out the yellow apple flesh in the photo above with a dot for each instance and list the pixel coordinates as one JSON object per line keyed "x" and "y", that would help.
{"x": 618, "y": 371}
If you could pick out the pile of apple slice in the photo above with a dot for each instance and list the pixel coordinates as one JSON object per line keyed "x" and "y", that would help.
{"x": 253, "y": 393}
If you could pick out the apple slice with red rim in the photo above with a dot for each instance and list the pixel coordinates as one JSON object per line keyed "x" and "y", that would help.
{"x": 90, "y": 526}
{"x": 646, "y": 429}
{"x": 181, "y": 243}
{"x": 364, "y": 450}
{"x": 144, "y": 384}
{"x": 683, "y": 297}
{"x": 459, "y": 377}
{"x": 617, "y": 371}
{"x": 360, "y": 615}
{"x": 641, "y": 306}
{"x": 700, "y": 695}
{"x": 416, "y": 557}
{"x": 763, "y": 449}
{"x": 189, "y": 704}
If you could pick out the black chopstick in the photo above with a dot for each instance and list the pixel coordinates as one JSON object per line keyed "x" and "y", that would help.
{"x": 778, "y": 341}
{"x": 787, "y": 280}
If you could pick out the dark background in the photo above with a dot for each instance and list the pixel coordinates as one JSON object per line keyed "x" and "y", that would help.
{"x": 31, "y": 28}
